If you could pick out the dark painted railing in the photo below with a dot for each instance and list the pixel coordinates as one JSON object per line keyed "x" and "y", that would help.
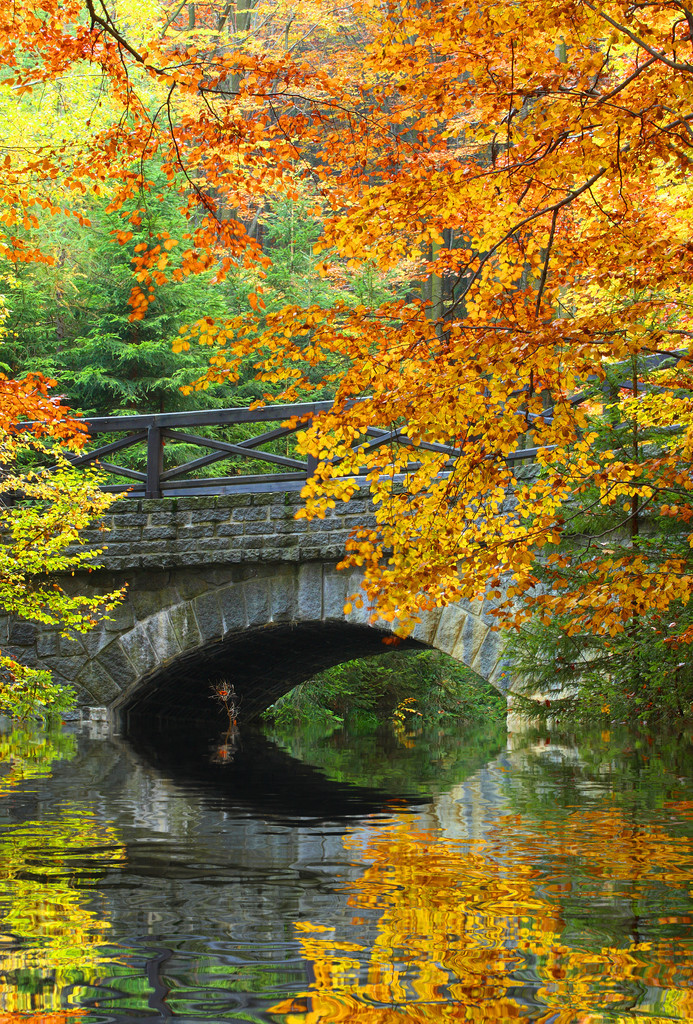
{"x": 153, "y": 432}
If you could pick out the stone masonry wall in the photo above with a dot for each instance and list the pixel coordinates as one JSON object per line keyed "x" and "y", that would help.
{"x": 162, "y": 533}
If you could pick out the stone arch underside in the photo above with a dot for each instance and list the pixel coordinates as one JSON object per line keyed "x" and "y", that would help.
{"x": 276, "y": 627}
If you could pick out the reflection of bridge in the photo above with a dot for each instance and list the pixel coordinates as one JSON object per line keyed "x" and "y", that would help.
{"x": 227, "y": 583}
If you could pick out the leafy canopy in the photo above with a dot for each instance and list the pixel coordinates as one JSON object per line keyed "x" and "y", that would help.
{"x": 526, "y": 167}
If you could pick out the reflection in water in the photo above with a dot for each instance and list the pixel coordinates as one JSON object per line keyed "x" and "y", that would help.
{"x": 399, "y": 761}
{"x": 552, "y": 923}
{"x": 51, "y": 934}
{"x": 27, "y": 754}
{"x": 551, "y": 884}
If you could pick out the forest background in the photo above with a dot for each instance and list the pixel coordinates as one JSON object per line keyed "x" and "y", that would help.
{"x": 474, "y": 219}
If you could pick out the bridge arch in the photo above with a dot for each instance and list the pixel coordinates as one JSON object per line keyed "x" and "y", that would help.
{"x": 265, "y": 634}
{"x": 215, "y": 581}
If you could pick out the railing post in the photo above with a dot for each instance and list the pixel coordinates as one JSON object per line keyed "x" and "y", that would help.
{"x": 155, "y": 458}
{"x": 311, "y": 466}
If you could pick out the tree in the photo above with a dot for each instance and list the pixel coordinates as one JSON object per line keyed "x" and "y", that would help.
{"x": 527, "y": 166}
{"x": 42, "y": 514}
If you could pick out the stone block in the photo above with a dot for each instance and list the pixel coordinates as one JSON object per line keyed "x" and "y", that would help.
{"x": 162, "y": 637}
{"x": 251, "y": 514}
{"x": 68, "y": 668}
{"x": 229, "y": 530}
{"x": 159, "y": 533}
{"x": 450, "y": 623}
{"x": 193, "y": 502}
{"x": 71, "y": 646}
{"x": 218, "y": 575}
{"x": 356, "y": 506}
{"x": 284, "y": 597}
{"x": 83, "y": 698}
{"x": 272, "y": 553}
{"x": 211, "y": 515}
{"x": 232, "y": 603}
{"x": 23, "y": 634}
{"x": 160, "y": 560}
{"x": 129, "y": 548}
{"x": 234, "y": 500}
{"x": 313, "y": 553}
{"x": 292, "y": 527}
{"x": 469, "y": 641}
{"x": 334, "y": 594}
{"x": 146, "y": 548}
{"x": 157, "y": 504}
{"x": 218, "y": 545}
{"x": 25, "y": 655}
{"x": 94, "y": 538}
{"x": 273, "y": 542}
{"x": 184, "y": 624}
{"x": 259, "y": 529}
{"x": 146, "y": 603}
{"x": 128, "y": 521}
{"x": 148, "y": 581}
{"x": 198, "y": 559}
{"x": 208, "y": 615}
{"x": 117, "y": 665}
{"x": 247, "y": 554}
{"x": 96, "y": 639}
{"x": 310, "y": 592}
{"x": 120, "y": 618}
{"x": 138, "y": 649}
{"x": 189, "y": 532}
{"x": 123, "y": 563}
{"x": 353, "y": 588}
{"x": 48, "y": 644}
{"x": 166, "y": 518}
{"x": 488, "y": 656}
{"x": 425, "y": 630}
{"x": 97, "y": 681}
{"x": 125, "y": 505}
{"x": 257, "y": 601}
{"x": 187, "y": 546}
{"x": 282, "y": 510}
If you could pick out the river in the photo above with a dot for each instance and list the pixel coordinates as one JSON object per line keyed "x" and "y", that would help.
{"x": 421, "y": 877}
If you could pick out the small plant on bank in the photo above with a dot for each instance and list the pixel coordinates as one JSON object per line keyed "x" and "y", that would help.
{"x": 225, "y": 695}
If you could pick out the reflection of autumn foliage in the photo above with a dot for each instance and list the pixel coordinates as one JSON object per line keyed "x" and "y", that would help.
{"x": 61, "y": 1017}
{"x": 50, "y": 934}
{"x": 29, "y": 754}
{"x": 482, "y": 931}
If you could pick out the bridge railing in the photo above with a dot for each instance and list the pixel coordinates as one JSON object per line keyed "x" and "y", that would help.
{"x": 159, "y": 445}
{"x": 155, "y": 442}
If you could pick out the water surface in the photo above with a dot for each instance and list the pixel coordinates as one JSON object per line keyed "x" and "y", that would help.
{"x": 400, "y": 878}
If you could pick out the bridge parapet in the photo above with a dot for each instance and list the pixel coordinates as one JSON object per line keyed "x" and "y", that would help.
{"x": 154, "y": 533}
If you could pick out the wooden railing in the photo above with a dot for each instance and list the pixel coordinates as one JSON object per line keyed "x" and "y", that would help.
{"x": 161, "y": 437}
{"x": 158, "y": 475}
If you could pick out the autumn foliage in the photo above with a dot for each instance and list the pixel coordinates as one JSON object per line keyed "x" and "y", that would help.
{"x": 525, "y": 167}
{"x": 44, "y": 507}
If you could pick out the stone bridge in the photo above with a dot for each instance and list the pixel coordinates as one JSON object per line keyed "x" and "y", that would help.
{"x": 227, "y": 586}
